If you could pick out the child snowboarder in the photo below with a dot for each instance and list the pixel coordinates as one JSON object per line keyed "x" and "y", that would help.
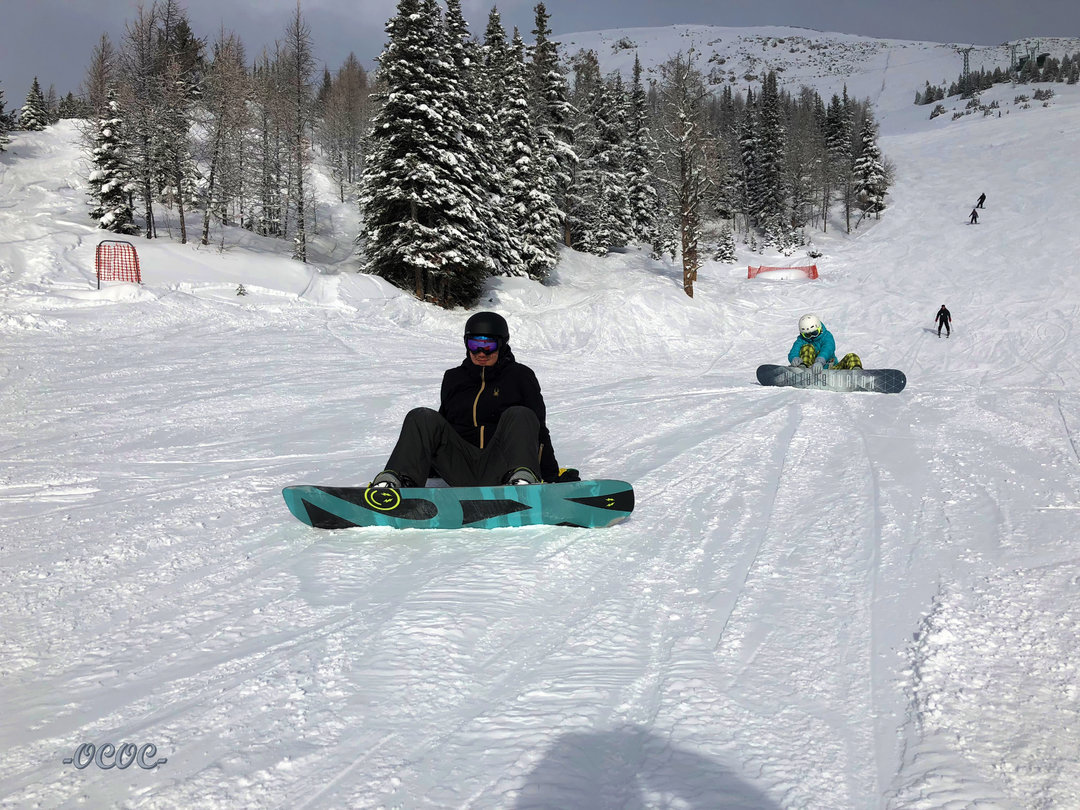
{"x": 974, "y": 217}
{"x": 815, "y": 347}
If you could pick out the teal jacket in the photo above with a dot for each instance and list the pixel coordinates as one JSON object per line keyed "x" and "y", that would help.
{"x": 823, "y": 344}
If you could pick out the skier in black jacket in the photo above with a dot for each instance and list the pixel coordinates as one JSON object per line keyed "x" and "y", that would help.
{"x": 490, "y": 428}
{"x": 943, "y": 318}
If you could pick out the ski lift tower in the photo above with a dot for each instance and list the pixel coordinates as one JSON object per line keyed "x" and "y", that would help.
{"x": 966, "y": 90}
{"x": 966, "y": 52}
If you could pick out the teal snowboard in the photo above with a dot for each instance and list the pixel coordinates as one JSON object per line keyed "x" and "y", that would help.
{"x": 577, "y": 503}
{"x": 878, "y": 380}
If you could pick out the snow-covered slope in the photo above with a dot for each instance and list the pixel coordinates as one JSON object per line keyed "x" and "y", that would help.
{"x": 887, "y": 71}
{"x": 821, "y": 601}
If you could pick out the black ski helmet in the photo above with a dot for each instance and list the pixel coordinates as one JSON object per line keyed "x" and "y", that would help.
{"x": 489, "y": 324}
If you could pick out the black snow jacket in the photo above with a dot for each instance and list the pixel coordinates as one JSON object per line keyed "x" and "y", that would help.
{"x": 944, "y": 316}
{"x": 474, "y": 397}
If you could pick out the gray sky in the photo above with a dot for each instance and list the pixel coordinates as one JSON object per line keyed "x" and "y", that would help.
{"x": 53, "y": 39}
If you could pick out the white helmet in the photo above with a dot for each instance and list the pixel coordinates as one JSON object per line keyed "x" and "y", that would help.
{"x": 810, "y": 326}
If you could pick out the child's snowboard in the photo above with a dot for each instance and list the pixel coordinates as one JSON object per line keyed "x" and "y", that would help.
{"x": 878, "y": 380}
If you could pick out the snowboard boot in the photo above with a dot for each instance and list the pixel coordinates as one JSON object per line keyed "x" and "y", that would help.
{"x": 521, "y": 477}
{"x": 388, "y": 479}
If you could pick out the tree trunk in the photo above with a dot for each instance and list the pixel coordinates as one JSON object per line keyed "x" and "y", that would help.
{"x": 180, "y": 204}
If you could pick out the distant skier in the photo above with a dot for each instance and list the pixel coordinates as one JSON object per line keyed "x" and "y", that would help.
{"x": 943, "y": 318}
{"x": 974, "y": 217}
{"x": 982, "y": 199}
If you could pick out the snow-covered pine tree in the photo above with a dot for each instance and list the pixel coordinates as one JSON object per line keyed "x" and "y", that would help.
{"x": 552, "y": 116}
{"x": 725, "y": 246}
{"x": 724, "y": 196}
{"x": 4, "y": 123}
{"x": 481, "y": 178}
{"x": 871, "y": 181}
{"x": 419, "y": 222}
{"x": 615, "y": 225}
{"x": 771, "y": 150}
{"x": 640, "y": 161}
{"x": 495, "y": 54}
{"x": 110, "y": 182}
{"x": 838, "y": 139}
{"x": 584, "y": 196}
{"x": 749, "y": 179}
{"x": 34, "y": 117}
{"x": 526, "y": 202}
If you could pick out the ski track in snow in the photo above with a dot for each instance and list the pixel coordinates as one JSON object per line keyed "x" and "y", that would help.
{"x": 820, "y": 601}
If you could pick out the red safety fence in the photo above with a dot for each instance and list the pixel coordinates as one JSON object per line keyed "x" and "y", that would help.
{"x": 809, "y": 272}
{"x": 116, "y": 261}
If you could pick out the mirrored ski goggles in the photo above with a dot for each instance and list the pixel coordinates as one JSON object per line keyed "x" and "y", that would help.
{"x": 478, "y": 344}
{"x": 810, "y": 334}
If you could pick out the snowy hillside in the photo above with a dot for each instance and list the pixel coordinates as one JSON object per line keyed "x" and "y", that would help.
{"x": 821, "y": 601}
{"x": 887, "y": 71}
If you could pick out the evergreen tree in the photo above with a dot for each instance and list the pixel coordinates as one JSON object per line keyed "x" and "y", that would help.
{"x": 552, "y": 116}
{"x": 481, "y": 180}
{"x": 642, "y": 195}
{"x": 725, "y": 182}
{"x": 838, "y": 141}
{"x": 110, "y": 183}
{"x": 803, "y": 157}
{"x": 496, "y": 57}
{"x": 749, "y": 180}
{"x": 871, "y": 182}
{"x": 583, "y": 202}
{"x": 417, "y": 216}
{"x": 771, "y": 202}
{"x": 725, "y": 247}
{"x": 5, "y": 124}
{"x": 614, "y": 228}
{"x": 527, "y": 205}
{"x": 34, "y": 117}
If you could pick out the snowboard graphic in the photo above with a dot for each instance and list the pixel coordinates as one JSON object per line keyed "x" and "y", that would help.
{"x": 584, "y": 504}
{"x": 878, "y": 380}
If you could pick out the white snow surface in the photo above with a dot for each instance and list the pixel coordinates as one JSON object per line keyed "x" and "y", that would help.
{"x": 821, "y": 600}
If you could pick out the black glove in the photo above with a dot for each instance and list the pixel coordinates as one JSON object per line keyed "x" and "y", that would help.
{"x": 567, "y": 474}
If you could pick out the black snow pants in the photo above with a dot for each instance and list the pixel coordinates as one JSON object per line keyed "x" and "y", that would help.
{"x": 428, "y": 442}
